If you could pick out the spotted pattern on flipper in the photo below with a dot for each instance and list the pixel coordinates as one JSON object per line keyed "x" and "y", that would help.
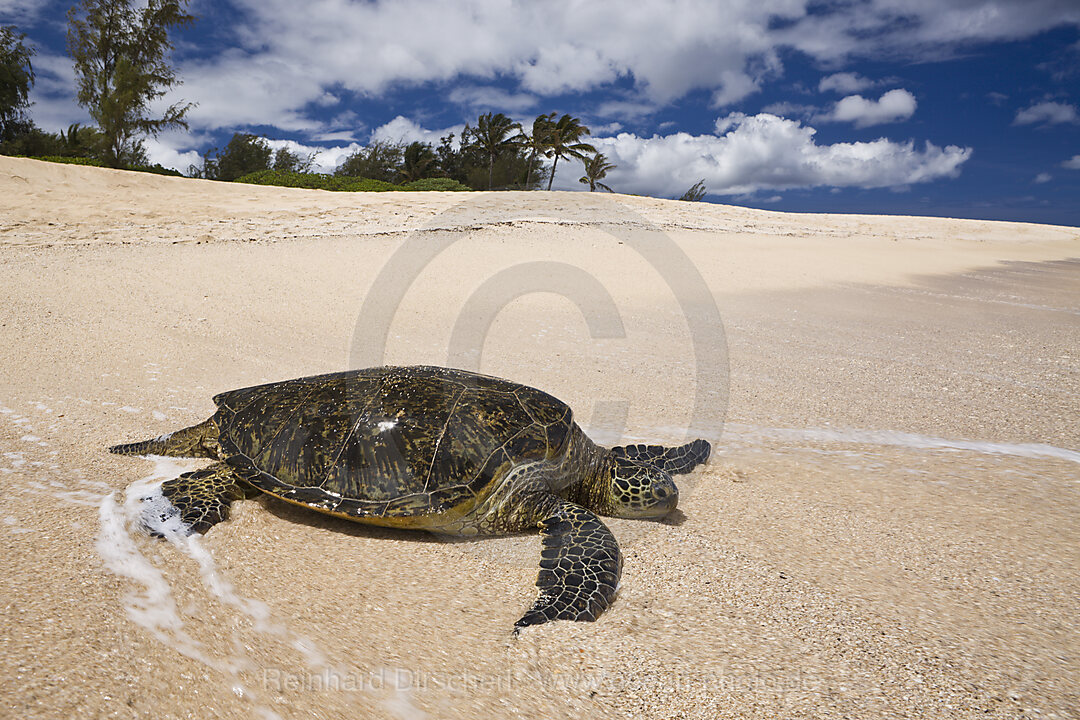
{"x": 202, "y": 497}
{"x": 677, "y": 460}
{"x": 580, "y": 565}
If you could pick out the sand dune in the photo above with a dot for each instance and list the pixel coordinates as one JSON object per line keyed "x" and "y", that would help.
{"x": 887, "y": 527}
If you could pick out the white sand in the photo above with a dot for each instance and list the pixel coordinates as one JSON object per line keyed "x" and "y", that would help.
{"x": 887, "y": 528}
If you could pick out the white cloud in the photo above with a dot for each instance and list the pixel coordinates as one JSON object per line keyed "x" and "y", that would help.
{"x": 920, "y": 29}
{"x": 162, "y": 151}
{"x": 323, "y": 160}
{"x": 606, "y": 128}
{"x": 238, "y": 90}
{"x": 21, "y": 11}
{"x": 1043, "y": 178}
{"x": 288, "y": 61}
{"x": 734, "y": 86}
{"x": 341, "y": 136}
{"x": 402, "y": 129}
{"x": 287, "y": 53}
{"x": 1072, "y": 163}
{"x": 893, "y": 106}
{"x": 1047, "y": 113}
{"x": 845, "y": 82}
{"x": 764, "y": 152}
{"x": 789, "y": 109}
{"x": 478, "y": 97}
{"x": 53, "y": 94}
{"x": 626, "y": 109}
{"x": 327, "y": 99}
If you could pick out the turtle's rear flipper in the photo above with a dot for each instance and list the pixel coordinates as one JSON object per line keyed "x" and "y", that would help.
{"x": 193, "y": 502}
{"x": 196, "y": 441}
{"x": 677, "y": 460}
{"x": 579, "y": 567}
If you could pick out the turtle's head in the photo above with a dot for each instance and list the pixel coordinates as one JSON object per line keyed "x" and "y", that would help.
{"x": 639, "y": 490}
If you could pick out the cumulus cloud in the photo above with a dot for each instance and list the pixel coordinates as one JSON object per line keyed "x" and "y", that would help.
{"x": 893, "y": 106}
{"x": 844, "y": 83}
{"x": 1072, "y": 163}
{"x": 287, "y": 54}
{"x": 323, "y": 159}
{"x": 402, "y": 129}
{"x": 764, "y": 152}
{"x": 1047, "y": 113}
{"x": 239, "y": 89}
{"x": 163, "y": 151}
{"x": 1043, "y": 178}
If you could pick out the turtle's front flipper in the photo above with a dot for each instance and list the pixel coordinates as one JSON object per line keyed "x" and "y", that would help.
{"x": 579, "y": 567}
{"x": 194, "y": 502}
{"x": 677, "y": 460}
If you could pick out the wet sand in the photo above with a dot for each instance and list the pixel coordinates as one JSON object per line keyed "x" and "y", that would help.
{"x": 886, "y": 529}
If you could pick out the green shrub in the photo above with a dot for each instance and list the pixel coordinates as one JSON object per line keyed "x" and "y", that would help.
{"x": 339, "y": 183}
{"x": 356, "y": 184}
{"x": 437, "y": 184}
{"x": 156, "y": 169}
{"x": 72, "y": 160}
{"x": 314, "y": 181}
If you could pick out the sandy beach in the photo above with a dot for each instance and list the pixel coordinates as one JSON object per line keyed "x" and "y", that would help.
{"x": 887, "y": 527}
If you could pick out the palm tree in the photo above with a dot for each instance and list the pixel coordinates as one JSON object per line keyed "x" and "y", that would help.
{"x": 493, "y": 137}
{"x": 696, "y": 192}
{"x": 537, "y": 142}
{"x": 596, "y": 169}
{"x": 418, "y": 162}
{"x": 564, "y": 141}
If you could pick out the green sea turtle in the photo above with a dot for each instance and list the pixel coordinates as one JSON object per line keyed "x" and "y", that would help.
{"x": 435, "y": 449}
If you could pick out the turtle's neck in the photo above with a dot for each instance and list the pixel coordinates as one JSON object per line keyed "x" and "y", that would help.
{"x": 588, "y": 469}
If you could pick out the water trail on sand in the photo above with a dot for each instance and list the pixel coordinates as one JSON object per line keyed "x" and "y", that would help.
{"x": 754, "y": 434}
{"x": 152, "y": 605}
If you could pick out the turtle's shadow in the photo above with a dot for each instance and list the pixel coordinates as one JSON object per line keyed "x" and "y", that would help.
{"x": 674, "y": 518}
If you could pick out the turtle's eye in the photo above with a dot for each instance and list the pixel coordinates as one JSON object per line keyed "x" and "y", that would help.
{"x": 641, "y": 490}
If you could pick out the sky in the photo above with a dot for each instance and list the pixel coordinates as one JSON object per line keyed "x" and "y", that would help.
{"x": 958, "y": 108}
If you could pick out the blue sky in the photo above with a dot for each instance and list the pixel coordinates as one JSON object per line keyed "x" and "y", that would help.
{"x": 962, "y": 108}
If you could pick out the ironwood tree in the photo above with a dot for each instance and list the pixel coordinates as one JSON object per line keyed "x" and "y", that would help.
{"x": 16, "y": 79}
{"x": 121, "y": 51}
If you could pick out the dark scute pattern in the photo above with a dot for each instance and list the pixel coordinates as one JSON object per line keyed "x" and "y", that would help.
{"x": 677, "y": 460}
{"x": 396, "y": 441}
{"x": 580, "y": 565}
{"x": 558, "y": 433}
